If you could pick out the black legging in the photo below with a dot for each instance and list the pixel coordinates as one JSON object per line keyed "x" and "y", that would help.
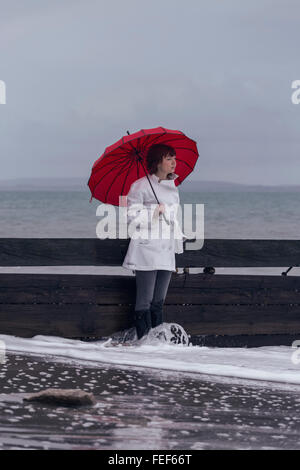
{"x": 151, "y": 286}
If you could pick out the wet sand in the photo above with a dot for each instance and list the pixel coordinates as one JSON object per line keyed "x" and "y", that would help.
{"x": 143, "y": 409}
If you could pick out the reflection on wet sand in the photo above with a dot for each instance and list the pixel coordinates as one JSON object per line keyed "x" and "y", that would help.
{"x": 142, "y": 409}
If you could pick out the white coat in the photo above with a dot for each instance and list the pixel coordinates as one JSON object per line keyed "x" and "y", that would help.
{"x": 158, "y": 242}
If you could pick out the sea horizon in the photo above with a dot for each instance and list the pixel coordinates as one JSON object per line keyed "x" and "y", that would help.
{"x": 188, "y": 185}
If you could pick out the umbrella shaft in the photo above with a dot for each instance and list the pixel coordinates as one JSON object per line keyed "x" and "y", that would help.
{"x": 141, "y": 161}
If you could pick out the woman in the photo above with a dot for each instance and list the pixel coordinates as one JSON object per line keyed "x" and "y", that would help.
{"x": 152, "y": 256}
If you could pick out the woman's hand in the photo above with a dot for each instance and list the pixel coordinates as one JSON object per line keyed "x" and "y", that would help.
{"x": 160, "y": 209}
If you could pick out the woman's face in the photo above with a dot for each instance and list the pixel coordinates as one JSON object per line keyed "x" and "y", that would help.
{"x": 168, "y": 164}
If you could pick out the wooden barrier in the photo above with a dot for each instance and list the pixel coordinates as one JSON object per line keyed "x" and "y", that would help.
{"x": 219, "y": 310}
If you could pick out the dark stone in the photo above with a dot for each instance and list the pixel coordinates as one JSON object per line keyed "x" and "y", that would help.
{"x": 63, "y": 397}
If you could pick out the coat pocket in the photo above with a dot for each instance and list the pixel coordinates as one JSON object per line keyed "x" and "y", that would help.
{"x": 142, "y": 241}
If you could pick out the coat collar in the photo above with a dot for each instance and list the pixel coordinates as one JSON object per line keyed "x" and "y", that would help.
{"x": 156, "y": 178}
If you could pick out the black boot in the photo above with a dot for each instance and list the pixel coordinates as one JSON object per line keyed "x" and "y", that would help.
{"x": 156, "y": 313}
{"x": 142, "y": 322}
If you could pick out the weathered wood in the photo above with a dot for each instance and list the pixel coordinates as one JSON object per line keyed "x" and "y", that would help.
{"x": 207, "y": 306}
{"x": 241, "y": 341}
{"x": 67, "y": 320}
{"x": 75, "y": 320}
{"x": 183, "y": 289}
{"x": 96, "y": 252}
{"x": 196, "y": 281}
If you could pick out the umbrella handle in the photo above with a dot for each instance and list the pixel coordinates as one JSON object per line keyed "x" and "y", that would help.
{"x": 165, "y": 219}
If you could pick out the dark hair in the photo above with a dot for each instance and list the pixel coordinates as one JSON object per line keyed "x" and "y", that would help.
{"x": 155, "y": 156}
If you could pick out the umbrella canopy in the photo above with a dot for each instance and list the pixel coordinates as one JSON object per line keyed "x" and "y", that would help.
{"x": 125, "y": 161}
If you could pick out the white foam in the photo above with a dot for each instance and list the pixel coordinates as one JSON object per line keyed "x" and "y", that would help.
{"x": 271, "y": 363}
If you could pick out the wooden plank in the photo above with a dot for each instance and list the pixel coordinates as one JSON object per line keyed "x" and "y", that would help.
{"x": 73, "y": 320}
{"x": 236, "y": 319}
{"x": 242, "y": 341}
{"x": 183, "y": 289}
{"x": 257, "y": 281}
{"x": 66, "y": 288}
{"x": 96, "y": 252}
{"x": 63, "y": 320}
{"x": 244, "y": 253}
{"x": 194, "y": 281}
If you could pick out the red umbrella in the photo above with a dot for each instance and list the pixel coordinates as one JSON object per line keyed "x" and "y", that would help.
{"x": 125, "y": 161}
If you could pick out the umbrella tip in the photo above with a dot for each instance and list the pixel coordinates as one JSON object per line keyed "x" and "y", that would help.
{"x": 91, "y": 198}
{"x": 128, "y": 132}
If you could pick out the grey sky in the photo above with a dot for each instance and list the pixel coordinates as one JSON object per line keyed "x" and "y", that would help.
{"x": 80, "y": 73}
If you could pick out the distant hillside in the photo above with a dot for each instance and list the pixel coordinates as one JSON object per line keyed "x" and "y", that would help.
{"x": 46, "y": 184}
{"x": 223, "y": 186}
{"x": 80, "y": 184}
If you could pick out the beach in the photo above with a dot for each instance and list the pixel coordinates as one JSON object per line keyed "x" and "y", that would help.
{"x": 141, "y": 408}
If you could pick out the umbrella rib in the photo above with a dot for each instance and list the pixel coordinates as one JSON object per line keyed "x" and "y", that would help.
{"x": 108, "y": 163}
{"x": 138, "y": 169}
{"x": 103, "y": 176}
{"x": 115, "y": 180}
{"x": 119, "y": 148}
{"x": 126, "y": 176}
{"x": 122, "y": 154}
{"x": 189, "y": 149}
{"x": 132, "y": 146}
{"x": 179, "y": 159}
{"x": 156, "y": 138}
{"x": 146, "y": 139}
{"x": 148, "y": 144}
{"x": 100, "y": 180}
{"x": 101, "y": 158}
{"x": 173, "y": 140}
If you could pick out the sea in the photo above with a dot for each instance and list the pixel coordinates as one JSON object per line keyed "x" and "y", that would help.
{"x": 55, "y": 214}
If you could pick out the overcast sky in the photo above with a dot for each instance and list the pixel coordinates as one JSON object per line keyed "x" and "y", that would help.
{"x": 79, "y": 73}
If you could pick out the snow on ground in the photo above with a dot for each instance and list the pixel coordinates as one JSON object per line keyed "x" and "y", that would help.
{"x": 270, "y": 363}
